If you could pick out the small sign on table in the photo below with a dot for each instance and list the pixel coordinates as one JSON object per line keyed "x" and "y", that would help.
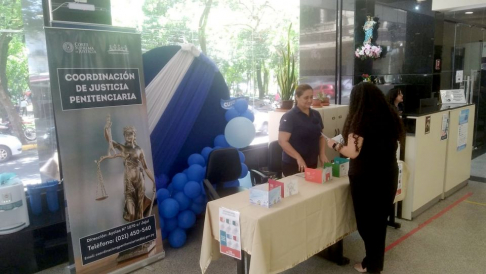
{"x": 229, "y": 233}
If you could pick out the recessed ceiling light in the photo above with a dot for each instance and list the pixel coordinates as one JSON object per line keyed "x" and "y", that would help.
{"x": 417, "y": 7}
{"x": 469, "y": 12}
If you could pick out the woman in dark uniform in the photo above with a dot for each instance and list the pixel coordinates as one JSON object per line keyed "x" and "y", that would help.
{"x": 300, "y": 134}
{"x": 372, "y": 129}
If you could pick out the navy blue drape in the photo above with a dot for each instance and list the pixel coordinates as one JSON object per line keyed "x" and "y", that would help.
{"x": 177, "y": 121}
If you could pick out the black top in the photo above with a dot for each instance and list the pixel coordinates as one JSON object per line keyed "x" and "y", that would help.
{"x": 378, "y": 152}
{"x": 305, "y": 133}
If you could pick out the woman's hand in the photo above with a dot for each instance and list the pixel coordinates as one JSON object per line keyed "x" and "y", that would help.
{"x": 301, "y": 164}
{"x": 324, "y": 159}
{"x": 330, "y": 143}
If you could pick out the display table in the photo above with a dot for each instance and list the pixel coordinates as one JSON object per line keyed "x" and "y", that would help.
{"x": 289, "y": 232}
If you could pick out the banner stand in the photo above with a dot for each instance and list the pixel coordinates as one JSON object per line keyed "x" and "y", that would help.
{"x": 99, "y": 103}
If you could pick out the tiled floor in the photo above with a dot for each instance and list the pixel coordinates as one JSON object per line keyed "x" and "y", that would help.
{"x": 453, "y": 242}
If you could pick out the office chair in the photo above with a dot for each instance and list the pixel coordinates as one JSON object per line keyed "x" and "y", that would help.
{"x": 274, "y": 167}
{"x": 223, "y": 166}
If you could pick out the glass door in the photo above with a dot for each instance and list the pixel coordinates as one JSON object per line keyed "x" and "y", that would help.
{"x": 470, "y": 58}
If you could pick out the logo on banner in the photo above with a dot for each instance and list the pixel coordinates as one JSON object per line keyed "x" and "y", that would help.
{"x": 118, "y": 49}
{"x": 79, "y": 48}
{"x": 227, "y": 104}
{"x": 68, "y": 47}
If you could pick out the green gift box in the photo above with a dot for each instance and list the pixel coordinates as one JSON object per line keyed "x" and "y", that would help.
{"x": 340, "y": 167}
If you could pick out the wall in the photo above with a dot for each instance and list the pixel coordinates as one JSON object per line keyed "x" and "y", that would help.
{"x": 442, "y": 5}
{"x": 408, "y": 48}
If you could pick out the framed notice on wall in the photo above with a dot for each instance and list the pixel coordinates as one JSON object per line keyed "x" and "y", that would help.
{"x": 462, "y": 132}
{"x": 427, "y": 124}
{"x": 444, "y": 132}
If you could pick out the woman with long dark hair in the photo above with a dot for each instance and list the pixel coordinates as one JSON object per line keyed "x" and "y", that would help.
{"x": 371, "y": 132}
{"x": 395, "y": 98}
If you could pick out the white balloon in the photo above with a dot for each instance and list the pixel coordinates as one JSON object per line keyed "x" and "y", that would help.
{"x": 239, "y": 132}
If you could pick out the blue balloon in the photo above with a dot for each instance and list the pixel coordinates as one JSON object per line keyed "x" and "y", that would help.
{"x": 162, "y": 194}
{"x": 244, "y": 171}
{"x": 248, "y": 114}
{"x": 177, "y": 238}
{"x": 200, "y": 199}
{"x": 197, "y": 208}
{"x": 241, "y": 105}
{"x": 170, "y": 208}
{"x": 186, "y": 219}
{"x": 220, "y": 141}
{"x": 183, "y": 200}
{"x": 239, "y": 132}
{"x": 179, "y": 181}
{"x": 161, "y": 181}
{"x": 165, "y": 234}
{"x": 195, "y": 173}
{"x": 192, "y": 189}
{"x": 170, "y": 188}
{"x": 205, "y": 153}
{"x": 230, "y": 114}
{"x": 196, "y": 159}
{"x": 242, "y": 157}
{"x": 170, "y": 224}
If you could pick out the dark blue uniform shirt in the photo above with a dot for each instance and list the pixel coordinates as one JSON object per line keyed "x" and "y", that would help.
{"x": 305, "y": 133}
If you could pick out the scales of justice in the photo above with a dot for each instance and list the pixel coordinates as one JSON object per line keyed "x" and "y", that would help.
{"x": 137, "y": 205}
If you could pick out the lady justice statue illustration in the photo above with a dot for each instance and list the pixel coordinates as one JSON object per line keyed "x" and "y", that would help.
{"x": 136, "y": 203}
{"x": 368, "y": 29}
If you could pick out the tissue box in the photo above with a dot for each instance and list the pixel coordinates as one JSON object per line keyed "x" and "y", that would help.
{"x": 287, "y": 188}
{"x": 313, "y": 175}
{"x": 264, "y": 195}
{"x": 340, "y": 167}
{"x": 327, "y": 172}
{"x": 319, "y": 176}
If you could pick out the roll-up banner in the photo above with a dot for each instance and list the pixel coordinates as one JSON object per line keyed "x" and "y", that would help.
{"x": 104, "y": 145}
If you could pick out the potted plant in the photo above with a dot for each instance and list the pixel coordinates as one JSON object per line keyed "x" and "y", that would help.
{"x": 324, "y": 100}
{"x": 287, "y": 75}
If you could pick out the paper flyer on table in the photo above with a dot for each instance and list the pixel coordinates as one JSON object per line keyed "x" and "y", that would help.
{"x": 462, "y": 132}
{"x": 229, "y": 233}
{"x": 339, "y": 138}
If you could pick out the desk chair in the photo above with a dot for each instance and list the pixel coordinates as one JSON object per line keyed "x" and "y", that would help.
{"x": 274, "y": 167}
{"x": 223, "y": 166}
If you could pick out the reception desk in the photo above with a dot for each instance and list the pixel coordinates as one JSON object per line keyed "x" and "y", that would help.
{"x": 439, "y": 163}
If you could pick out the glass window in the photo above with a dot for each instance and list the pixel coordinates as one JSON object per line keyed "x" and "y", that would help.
{"x": 19, "y": 107}
{"x": 243, "y": 38}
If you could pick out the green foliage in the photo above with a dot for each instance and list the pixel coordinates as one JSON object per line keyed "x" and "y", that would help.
{"x": 286, "y": 73}
{"x": 17, "y": 68}
{"x": 10, "y": 14}
{"x": 241, "y": 36}
{"x": 157, "y": 31}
